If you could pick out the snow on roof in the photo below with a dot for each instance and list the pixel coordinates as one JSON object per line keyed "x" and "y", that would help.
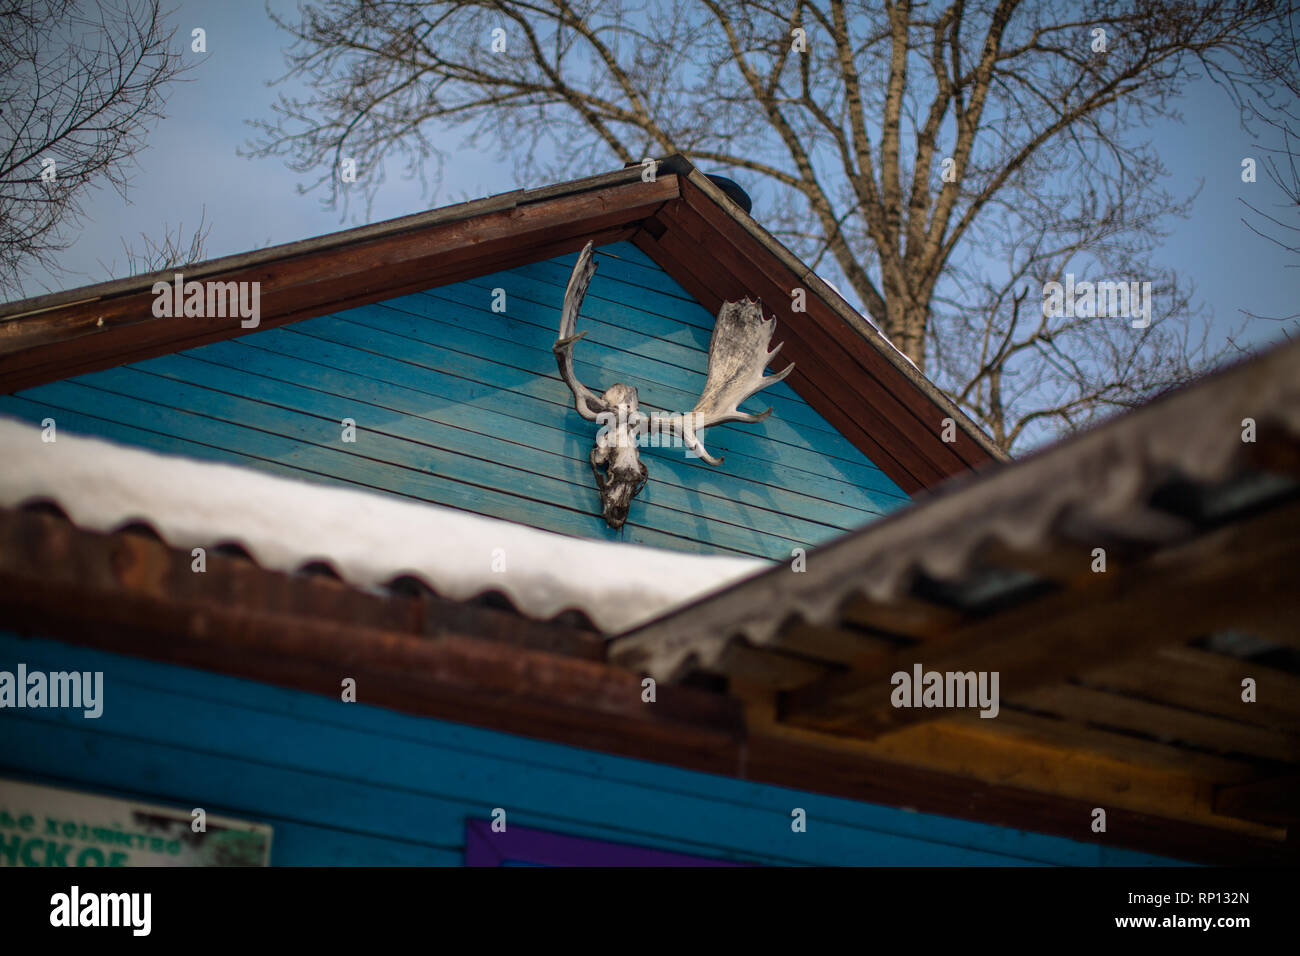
{"x": 368, "y": 539}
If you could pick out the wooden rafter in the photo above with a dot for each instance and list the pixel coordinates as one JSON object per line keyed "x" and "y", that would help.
{"x": 1223, "y": 579}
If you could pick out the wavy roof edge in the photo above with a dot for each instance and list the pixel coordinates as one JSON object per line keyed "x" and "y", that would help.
{"x": 370, "y": 540}
{"x": 1093, "y": 479}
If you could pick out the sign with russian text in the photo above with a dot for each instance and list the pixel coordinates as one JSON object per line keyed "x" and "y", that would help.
{"x": 49, "y": 826}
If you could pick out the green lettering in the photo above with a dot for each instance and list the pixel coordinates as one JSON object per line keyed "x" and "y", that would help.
{"x": 85, "y": 855}
{"x": 57, "y": 854}
{"x": 29, "y": 858}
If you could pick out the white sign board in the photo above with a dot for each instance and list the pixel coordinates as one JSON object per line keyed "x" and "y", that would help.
{"x": 48, "y": 826}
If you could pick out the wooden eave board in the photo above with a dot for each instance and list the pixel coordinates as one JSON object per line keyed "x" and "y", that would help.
{"x": 103, "y": 332}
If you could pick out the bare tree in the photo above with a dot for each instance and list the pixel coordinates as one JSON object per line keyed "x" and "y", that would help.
{"x": 1280, "y": 116}
{"x": 80, "y": 85}
{"x": 942, "y": 162}
{"x": 174, "y": 250}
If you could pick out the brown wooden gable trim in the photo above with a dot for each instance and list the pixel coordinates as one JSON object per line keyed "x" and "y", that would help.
{"x": 972, "y": 444}
{"x": 129, "y": 593}
{"x": 48, "y": 343}
{"x": 845, "y": 369}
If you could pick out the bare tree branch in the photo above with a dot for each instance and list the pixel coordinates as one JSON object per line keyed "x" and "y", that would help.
{"x": 942, "y": 160}
{"x": 80, "y": 85}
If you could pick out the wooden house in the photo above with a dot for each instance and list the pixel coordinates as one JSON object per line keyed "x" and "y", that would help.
{"x": 343, "y": 569}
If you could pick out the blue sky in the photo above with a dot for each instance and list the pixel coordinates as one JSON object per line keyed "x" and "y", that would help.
{"x": 191, "y": 163}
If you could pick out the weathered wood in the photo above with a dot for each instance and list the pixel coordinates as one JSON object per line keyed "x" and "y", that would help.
{"x": 1035, "y": 778}
{"x": 1275, "y": 801}
{"x": 903, "y": 617}
{"x": 1073, "y": 736}
{"x": 926, "y": 418}
{"x": 1219, "y": 580}
{"x": 823, "y": 767}
{"x": 1197, "y": 680}
{"x": 840, "y": 348}
{"x": 61, "y": 582}
{"x": 767, "y": 668}
{"x": 833, "y": 644}
{"x": 1161, "y": 722}
{"x": 810, "y": 370}
{"x": 77, "y": 338}
{"x": 1059, "y": 560}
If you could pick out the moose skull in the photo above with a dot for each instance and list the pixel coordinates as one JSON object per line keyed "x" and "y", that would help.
{"x": 616, "y": 452}
{"x": 738, "y": 354}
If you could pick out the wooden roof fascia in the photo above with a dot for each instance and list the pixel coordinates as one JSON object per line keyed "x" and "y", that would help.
{"x": 845, "y": 369}
{"x": 457, "y": 212}
{"x": 826, "y": 376}
{"x": 973, "y": 445}
{"x": 841, "y": 355}
{"x": 128, "y": 593}
{"x": 80, "y": 356}
{"x": 43, "y": 340}
{"x": 683, "y": 264}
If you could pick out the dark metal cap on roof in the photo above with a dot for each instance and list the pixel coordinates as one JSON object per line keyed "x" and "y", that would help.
{"x": 733, "y": 191}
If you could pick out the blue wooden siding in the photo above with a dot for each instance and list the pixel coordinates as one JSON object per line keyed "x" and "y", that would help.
{"x": 462, "y": 406}
{"x": 352, "y": 784}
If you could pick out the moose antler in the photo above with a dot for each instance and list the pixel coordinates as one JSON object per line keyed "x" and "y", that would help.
{"x": 589, "y": 405}
{"x": 737, "y": 356}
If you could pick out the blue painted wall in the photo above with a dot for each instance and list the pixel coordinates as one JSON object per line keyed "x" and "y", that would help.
{"x": 459, "y": 405}
{"x": 352, "y": 784}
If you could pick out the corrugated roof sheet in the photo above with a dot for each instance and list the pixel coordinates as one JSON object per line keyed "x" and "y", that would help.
{"x": 1100, "y": 482}
{"x": 370, "y": 540}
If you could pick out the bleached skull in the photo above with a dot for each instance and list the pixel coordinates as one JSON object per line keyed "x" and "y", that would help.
{"x": 624, "y": 474}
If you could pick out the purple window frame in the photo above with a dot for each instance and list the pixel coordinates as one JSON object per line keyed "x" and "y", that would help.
{"x": 541, "y": 847}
